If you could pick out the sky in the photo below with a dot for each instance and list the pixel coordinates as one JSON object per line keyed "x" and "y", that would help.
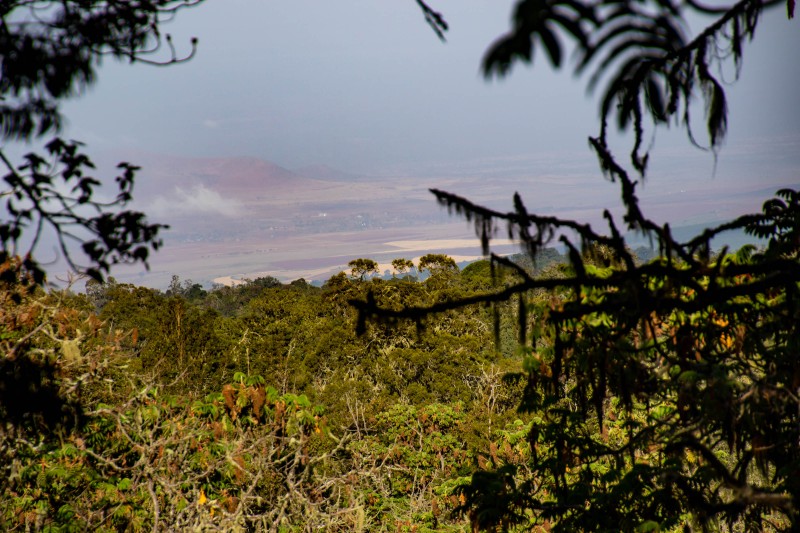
{"x": 365, "y": 86}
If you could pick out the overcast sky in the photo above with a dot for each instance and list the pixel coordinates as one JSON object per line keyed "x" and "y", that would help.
{"x": 366, "y": 86}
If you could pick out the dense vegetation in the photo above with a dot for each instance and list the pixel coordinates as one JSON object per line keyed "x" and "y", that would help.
{"x": 665, "y": 394}
{"x": 256, "y": 405}
{"x": 612, "y": 394}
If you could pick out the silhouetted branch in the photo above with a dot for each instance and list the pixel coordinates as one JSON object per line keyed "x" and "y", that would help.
{"x": 434, "y": 19}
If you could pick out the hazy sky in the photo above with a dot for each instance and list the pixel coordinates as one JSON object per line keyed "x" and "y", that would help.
{"x": 366, "y": 86}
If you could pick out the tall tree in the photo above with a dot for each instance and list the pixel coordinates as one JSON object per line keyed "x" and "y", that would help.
{"x": 361, "y": 268}
{"x": 402, "y": 265}
{"x": 437, "y": 263}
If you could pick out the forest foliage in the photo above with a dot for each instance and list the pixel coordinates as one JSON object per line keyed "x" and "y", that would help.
{"x": 254, "y": 406}
{"x": 258, "y": 406}
{"x": 604, "y": 393}
{"x": 665, "y": 393}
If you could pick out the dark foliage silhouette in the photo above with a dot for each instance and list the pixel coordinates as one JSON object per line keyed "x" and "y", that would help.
{"x": 49, "y": 52}
{"x": 640, "y": 51}
{"x": 666, "y": 393}
{"x": 35, "y": 204}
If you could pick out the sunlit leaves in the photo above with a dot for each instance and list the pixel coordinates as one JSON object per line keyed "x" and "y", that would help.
{"x": 696, "y": 380}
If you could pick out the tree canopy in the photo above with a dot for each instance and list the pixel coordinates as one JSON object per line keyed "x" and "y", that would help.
{"x": 361, "y": 268}
{"x": 49, "y": 52}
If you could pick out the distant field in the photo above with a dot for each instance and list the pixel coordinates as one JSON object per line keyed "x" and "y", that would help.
{"x": 242, "y": 218}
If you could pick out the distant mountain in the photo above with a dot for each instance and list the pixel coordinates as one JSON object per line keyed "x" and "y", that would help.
{"x": 248, "y": 179}
{"x": 231, "y": 174}
{"x": 243, "y": 173}
{"x": 326, "y": 173}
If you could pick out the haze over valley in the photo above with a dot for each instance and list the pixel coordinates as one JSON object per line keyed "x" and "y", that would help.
{"x": 345, "y": 132}
{"x": 234, "y": 218}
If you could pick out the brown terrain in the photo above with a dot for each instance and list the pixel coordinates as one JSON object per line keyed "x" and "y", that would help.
{"x": 239, "y": 218}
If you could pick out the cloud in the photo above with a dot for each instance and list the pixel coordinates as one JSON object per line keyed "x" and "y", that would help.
{"x": 199, "y": 200}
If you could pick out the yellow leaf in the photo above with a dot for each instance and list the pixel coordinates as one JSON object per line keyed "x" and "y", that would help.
{"x": 726, "y": 340}
{"x": 202, "y": 498}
